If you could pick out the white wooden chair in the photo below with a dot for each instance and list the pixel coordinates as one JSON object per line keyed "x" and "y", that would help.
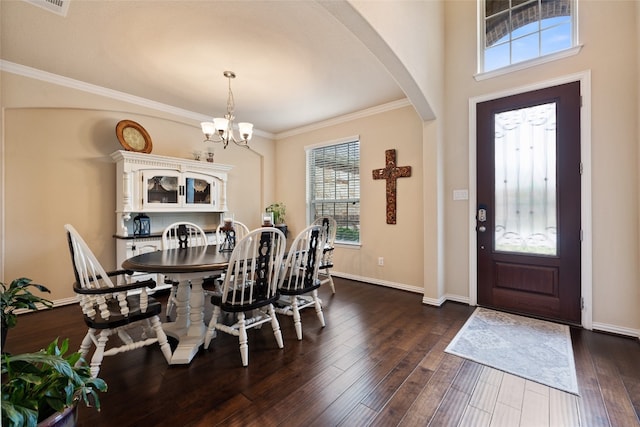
{"x": 299, "y": 284}
{"x": 108, "y": 309}
{"x": 331, "y": 227}
{"x": 250, "y": 288}
{"x": 180, "y": 235}
{"x": 240, "y": 230}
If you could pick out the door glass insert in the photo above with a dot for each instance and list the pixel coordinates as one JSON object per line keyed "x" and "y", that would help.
{"x": 525, "y": 180}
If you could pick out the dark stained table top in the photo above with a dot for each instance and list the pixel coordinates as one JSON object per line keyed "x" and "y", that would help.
{"x": 188, "y": 260}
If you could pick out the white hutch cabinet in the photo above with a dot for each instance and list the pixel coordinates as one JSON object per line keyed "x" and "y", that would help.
{"x": 167, "y": 189}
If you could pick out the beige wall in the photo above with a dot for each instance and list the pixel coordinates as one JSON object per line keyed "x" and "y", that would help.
{"x": 52, "y": 132}
{"x": 58, "y": 169}
{"x": 608, "y": 31}
{"x": 399, "y": 244}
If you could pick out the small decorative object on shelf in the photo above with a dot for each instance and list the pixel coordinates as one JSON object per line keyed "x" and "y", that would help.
{"x": 267, "y": 219}
{"x": 227, "y": 222}
{"x": 141, "y": 225}
{"x": 229, "y": 233}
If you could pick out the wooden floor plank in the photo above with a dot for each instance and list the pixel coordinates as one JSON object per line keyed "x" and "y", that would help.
{"x": 379, "y": 360}
{"x": 383, "y": 392}
{"x": 427, "y": 402}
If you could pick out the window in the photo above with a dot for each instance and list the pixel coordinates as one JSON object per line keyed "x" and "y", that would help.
{"x": 514, "y": 31}
{"x": 333, "y": 183}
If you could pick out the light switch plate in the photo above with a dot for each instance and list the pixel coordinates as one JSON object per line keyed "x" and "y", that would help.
{"x": 460, "y": 194}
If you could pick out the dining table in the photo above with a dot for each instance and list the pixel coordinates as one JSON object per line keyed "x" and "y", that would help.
{"x": 188, "y": 266}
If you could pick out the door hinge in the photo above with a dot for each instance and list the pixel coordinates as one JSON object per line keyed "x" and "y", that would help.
{"x": 581, "y": 168}
{"x": 582, "y": 303}
{"x": 581, "y": 235}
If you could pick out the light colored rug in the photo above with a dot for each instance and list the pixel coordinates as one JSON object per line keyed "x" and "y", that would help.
{"x": 534, "y": 349}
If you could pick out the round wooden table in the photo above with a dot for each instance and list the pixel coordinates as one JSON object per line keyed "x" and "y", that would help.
{"x": 176, "y": 261}
{"x": 186, "y": 266}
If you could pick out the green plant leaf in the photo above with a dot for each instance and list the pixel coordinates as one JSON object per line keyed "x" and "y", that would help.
{"x": 47, "y": 381}
{"x": 18, "y": 416}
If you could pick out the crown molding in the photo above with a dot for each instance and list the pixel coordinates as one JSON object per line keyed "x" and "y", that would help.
{"x": 36, "y": 74}
{"x": 45, "y": 76}
{"x": 394, "y": 105}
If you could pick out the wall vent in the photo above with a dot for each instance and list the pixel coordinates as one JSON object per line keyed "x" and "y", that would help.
{"x": 58, "y": 7}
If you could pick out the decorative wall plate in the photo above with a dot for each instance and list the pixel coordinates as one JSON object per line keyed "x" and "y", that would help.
{"x": 133, "y": 137}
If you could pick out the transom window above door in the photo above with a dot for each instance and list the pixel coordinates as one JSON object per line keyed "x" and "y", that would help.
{"x": 521, "y": 31}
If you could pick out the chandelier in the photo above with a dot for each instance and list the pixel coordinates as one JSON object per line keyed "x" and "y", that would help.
{"x": 221, "y": 129}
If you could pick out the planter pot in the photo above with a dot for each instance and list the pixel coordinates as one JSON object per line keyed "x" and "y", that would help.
{"x": 283, "y": 228}
{"x": 66, "y": 418}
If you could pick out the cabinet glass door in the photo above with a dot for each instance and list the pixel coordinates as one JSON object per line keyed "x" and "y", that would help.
{"x": 200, "y": 190}
{"x": 161, "y": 188}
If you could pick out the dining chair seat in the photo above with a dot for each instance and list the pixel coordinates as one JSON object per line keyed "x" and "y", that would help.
{"x": 249, "y": 289}
{"x": 330, "y": 227}
{"x": 299, "y": 283}
{"x": 110, "y": 308}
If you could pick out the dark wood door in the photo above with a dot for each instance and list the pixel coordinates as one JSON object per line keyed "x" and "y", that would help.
{"x": 528, "y": 218}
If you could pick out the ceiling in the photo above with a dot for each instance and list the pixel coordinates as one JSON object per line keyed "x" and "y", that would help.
{"x": 295, "y": 63}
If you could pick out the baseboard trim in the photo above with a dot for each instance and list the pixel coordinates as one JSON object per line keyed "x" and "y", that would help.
{"x": 395, "y": 285}
{"x": 618, "y": 330}
{"x": 602, "y": 327}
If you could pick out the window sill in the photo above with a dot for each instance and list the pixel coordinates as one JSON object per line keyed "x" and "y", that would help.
{"x": 528, "y": 64}
{"x": 348, "y": 245}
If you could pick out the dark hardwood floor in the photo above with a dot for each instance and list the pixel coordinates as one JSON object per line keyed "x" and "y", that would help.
{"x": 379, "y": 361}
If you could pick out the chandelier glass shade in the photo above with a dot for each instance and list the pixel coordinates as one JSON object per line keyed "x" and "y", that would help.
{"x": 221, "y": 129}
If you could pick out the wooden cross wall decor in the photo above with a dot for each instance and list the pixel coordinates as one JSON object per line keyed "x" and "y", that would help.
{"x": 391, "y": 173}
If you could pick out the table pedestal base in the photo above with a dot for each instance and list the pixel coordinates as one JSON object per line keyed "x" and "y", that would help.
{"x": 188, "y": 345}
{"x": 189, "y": 327}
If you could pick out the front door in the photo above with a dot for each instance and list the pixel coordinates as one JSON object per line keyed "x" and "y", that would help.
{"x": 528, "y": 213}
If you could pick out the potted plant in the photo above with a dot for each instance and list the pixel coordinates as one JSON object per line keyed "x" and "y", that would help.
{"x": 39, "y": 387}
{"x": 279, "y": 210}
{"x": 16, "y": 296}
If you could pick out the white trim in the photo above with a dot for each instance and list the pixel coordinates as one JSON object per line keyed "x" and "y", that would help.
{"x": 42, "y": 307}
{"x": 373, "y": 281}
{"x": 390, "y": 106}
{"x": 618, "y": 330}
{"x": 447, "y": 297}
{"x": 345, "y": 140}
{"x": 528, "y": 64}
{"x": 585, "y": 210}
{"x": 33, "y": 73}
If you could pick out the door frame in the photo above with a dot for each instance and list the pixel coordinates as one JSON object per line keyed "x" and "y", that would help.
{"x": 586, "y": 258}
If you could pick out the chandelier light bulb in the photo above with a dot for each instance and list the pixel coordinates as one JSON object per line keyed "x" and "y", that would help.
{"x": 246, "y": 130}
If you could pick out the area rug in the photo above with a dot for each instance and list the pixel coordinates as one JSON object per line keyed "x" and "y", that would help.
{"x": 533, "y": 349}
